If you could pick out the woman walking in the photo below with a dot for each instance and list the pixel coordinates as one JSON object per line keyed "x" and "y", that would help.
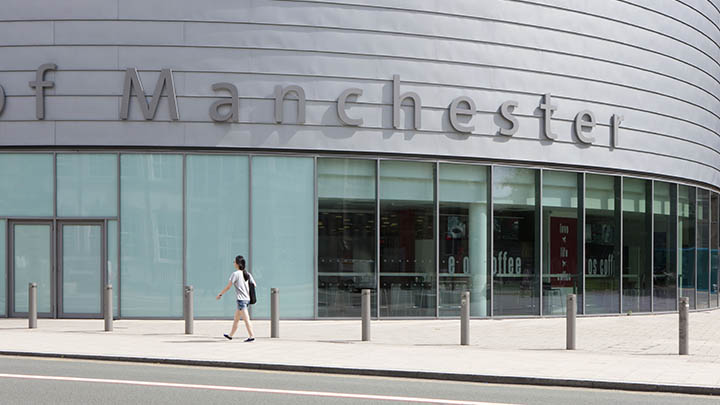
{"x": 241, "y": 279}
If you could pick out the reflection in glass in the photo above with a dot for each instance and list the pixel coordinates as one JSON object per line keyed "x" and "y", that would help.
{"x": 81, "y": 269}
{"x": 151, "y": 235}
{"x": 703, "y": 248}
{"x": 714, "y": 240}
{"x": 637, "y": 245}
{"x": 686, "y": 242}
{"x": 664, "y": 248}
{"x": 31, "y": 263}
{"x": 26, "y": 185}
{"x": 602, "y": 244}
{"x": 516, "y": 275}
{"x": 217, "y": 227}
{"x": 562, "y": 258}
{"x": 463, "y": 237}
{"x": 283, "y": 227}
{"x": 86, "y": 185}
{"x": 346, "y": 235}
{"x": 407, "y": 239}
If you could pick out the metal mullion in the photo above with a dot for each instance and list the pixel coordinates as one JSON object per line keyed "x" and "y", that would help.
{"x": 618, "y": 206}
{"x": 651, "y": 211}
{"x": 377, "y": 238}
{"x": 436, "y": 226}
{"x": 678, "y": 263}
{"x": 581, "y": 237}
{"x": 491, "y": 241}
{"x": 250, "y": 221}
{"x": 54, "y": 234}
{"x": 695, "y": 247}
{"x": 315, "y": 237}
{"x": 539, "y": 235}
{"x": 184, "y": 222}
{"x": 118, "y": 235}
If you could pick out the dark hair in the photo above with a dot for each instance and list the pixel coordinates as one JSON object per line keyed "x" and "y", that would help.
{"x": 240, "y": 261}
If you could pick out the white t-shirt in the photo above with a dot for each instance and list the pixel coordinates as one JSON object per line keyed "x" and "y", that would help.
{"x": 242, "y": 291}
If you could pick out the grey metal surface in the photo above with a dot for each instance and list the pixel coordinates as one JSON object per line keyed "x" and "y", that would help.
{"x": 108, "y": 308}
{"x": 570, "y": 330}
{"x": 365, "y": 306}
{"x": 684, "y": 327}
{"x": 656, "y": 64}
{"x": 32, "y": 305}
{"x": 188, "y": 309}
{"x": 465, "y": 318}
{"x": 274, "y": 312}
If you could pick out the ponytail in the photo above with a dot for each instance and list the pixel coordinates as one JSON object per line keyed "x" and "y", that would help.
{"x": 240, "y": 261}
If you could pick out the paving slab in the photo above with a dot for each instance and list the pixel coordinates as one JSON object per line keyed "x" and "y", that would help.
{"x": 612, "y": 352}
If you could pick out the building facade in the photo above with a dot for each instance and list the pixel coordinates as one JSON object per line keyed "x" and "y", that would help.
{"x": 519, "y": 149}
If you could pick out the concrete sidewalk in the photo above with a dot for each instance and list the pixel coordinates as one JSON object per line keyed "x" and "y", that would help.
{"x": 636, "y": 352}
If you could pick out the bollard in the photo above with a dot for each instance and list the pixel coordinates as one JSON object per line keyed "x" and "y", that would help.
{"x": 465, "y": 318}
{"x": 570, "y": 324}
{"x": 108, "y": 308}
{"x": 365, "y": 311}
{"x": 274, "y": 313}
{"x": 684, "y": 312}
{"x": 188, "y": 309}
{"x": 32, "y": 305}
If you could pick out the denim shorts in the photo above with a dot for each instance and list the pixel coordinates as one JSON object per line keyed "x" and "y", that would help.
{"x": 242, "y": 304}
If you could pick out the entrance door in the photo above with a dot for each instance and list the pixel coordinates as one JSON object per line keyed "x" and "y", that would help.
{"x": 80, "y": 269}
{"x": 31, "y": 260}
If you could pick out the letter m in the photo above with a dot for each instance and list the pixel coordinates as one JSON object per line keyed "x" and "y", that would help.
{"x": 132, "y": 79}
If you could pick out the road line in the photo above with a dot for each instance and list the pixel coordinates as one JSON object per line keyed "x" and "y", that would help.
{"x": 248, "y": 389}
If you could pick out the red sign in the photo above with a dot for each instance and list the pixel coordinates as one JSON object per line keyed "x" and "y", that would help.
{"x": 563, "y": 251}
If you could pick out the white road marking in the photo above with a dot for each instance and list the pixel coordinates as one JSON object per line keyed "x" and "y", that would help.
{"x": 247, "y": 389}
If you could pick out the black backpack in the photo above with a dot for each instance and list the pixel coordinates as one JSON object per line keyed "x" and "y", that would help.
{"x": 251, "y": 288}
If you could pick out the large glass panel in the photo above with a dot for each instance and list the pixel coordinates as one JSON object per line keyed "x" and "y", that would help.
{"x": 151, "y": 235}
{"x": 463, "y": 236}
{"x": 81, "y": 269}
{"x": 703, "y": 248}
{"x": 686, "y": 242}
{"x": 113, "y": 269}
{"x": 26, "y": 184}
{"x": 282, "y": 234}
{"x": 407, "y": 239}
{"x": 86, "y": 185}
{"x": 714, "y": 240}
{"x": 32, "y": 263}
{"x": 3, "y": 274}
{"x": 217, "y": 227}
{"x": 346, "y": 235}
{"x": 602, "y": 244}
{"x": 562, "y": 258}
{"x": 637, "y": 245}
{"x": 516, "y": 266}
{"x": 664, "y": 248}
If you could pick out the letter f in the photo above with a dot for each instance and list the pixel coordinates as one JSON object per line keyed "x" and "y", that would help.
{"x": 39, "y": 85}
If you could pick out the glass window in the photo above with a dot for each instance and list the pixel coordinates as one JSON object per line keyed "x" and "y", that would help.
{"x": 26, "y": 184}
{"x": 87, "y": 185}
{"x": 283, "y": 223}
{"x": 602, "y": 244}
{"x": 113, "y": 273}
{"x": 346, "y": 235}
{"x": 463, "y": 237}
{"x": 32, "y": 262}
{"x": 561, "y": 232}
{"x": 3, "y": 274}
{"x": 703, "y": 248}
{"x": 714, "y": 259}
{"x": 637, "y": 245}
{"x": 407, "y": 239}
{"x": 664, "y": 249}
{"x": 217, "y": 227}
{"x": 686, "y": 242}
{"x": 516, "y": 264}
{"x": 151, "y": 235}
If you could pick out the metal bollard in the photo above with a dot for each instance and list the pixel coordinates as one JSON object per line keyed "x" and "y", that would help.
{"x": 188, "y": 309}
{"x": 684, "y": 312}
{"x": 365, "y": 311}
{"x": 465, "y": 318}
{"x": 32, "y": 305}
{"x": 274, "y": 312}
{"x": 570, "y": 324}
{"x": 108, "y": 308}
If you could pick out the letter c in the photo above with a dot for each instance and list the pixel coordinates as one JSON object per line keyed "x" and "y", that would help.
{"x": 354, "y": 122}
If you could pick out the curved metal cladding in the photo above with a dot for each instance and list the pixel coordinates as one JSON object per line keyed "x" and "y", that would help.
{"x": 656, "y": 64}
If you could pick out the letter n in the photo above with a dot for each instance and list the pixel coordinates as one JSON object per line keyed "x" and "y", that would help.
{"x": 132, "y": 79}
{"x": 280, "y": 95}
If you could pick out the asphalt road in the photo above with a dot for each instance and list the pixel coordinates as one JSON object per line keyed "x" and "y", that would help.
{"x": 58, "y": 381}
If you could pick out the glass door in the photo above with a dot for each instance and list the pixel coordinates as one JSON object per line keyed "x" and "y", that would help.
{"x": 31, "y": 262}
{"x": 80, "y": 272}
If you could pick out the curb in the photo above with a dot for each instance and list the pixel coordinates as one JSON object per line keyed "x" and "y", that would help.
{"x": 423, "y": 375}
